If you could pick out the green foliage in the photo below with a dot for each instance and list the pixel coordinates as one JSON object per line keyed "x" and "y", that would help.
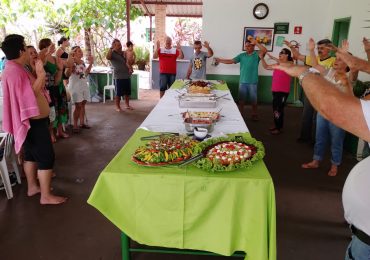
{"x": 142, "y": 57}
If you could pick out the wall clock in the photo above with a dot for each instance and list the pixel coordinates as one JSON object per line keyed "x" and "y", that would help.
{"x": 260, "y": 11}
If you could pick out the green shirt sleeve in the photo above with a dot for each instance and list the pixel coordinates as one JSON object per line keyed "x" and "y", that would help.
{"x": 237, "y": 59}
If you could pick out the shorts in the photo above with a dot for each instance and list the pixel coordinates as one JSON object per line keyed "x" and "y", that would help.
{"x": 79, "y": 94}
{"x": 248, "y": 92}
{"x": 52, "y": 114}
{"x": 166, "y": 80}
{"x": 38, "y": 146}
{"x": 122, "y": 87}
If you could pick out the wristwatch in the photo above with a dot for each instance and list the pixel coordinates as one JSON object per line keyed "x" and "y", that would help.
{"x": 306, "y": 72}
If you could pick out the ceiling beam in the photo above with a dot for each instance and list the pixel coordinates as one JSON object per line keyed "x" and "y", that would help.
{"x": 145, "y": 8}
{"x": 165, "y": 2}
{"x": 182, "y": 15}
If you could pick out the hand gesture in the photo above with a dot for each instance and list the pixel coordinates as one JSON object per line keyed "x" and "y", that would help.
{"x": 178, "y": 46}
{"x": 71, "y": 59}
{"x": 39, "y": 68}
{"x": 366, "y": 44}
{"x": 158, "y": 45}
{"x": 345, "y": 45}
{"x": 217, "y": 60}
{"x": 253, "y": 41}
{"x": 51, "y": 49}
{"x": 311, "y": 44}
{"x": 90, "y": 59}
{"x": 287, "y": 43}
{"x": 206, "y": 44}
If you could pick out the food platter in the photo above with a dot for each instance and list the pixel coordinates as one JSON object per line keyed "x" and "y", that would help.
{"x": 165, "y": 150}
{"x": 229, "y": 153}
{"x": 199, "y": 87}
{"x": 215, "y": 116}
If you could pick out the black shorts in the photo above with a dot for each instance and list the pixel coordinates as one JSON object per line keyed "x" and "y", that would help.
{"x": 123, "y": 87}
{"x": 38, "y": 146}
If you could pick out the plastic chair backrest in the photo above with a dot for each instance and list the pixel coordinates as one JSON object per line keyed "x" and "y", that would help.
{"x": 9, "y": 142}
{"x": 110, "y": 77}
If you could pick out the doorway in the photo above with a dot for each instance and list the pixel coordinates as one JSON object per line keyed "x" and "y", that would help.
{"x": 340, "y": 30}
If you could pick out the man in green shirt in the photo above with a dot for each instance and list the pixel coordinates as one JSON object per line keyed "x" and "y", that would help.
{"x": 248, "y": 74}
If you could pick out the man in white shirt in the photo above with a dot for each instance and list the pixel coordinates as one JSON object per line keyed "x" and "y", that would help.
{"x": 355, "y": 118}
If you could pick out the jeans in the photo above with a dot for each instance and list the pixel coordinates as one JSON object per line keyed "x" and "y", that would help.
{"x": 278, "y": 104}
{"x": 328, "y": 132}
{"x": 166, "y": 80}
{"x": 308, "y": 120}
{"x": 357, "y": 250}
{"x": 248, "y": 90}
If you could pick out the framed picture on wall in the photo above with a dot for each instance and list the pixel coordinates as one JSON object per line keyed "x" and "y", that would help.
{"x": 263, "y": 35}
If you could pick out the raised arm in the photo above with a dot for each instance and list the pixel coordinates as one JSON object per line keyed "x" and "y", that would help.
{"x": 156, "y": 51}
{"x": 225, "y": 61}
{"x": 39, "y": 83}
{"x": 181, "y": 54}
{"x": 367, "y": 47}
{"x": 264, "y": 64}
{"x": 296, "y": 54}
{"x": 209, "y": 49}
{"x": 340, "y": 108}
{"x": 90, "y": 59}
{"x": 354, "y": 63}
{"x": 315, "y": 64}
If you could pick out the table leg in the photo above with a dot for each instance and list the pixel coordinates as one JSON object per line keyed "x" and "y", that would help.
{"x": 125, "y": 241}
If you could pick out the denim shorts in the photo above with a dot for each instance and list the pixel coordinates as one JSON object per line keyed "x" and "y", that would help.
{"x": 166, "y": 80}
{"x": 248, "y": 92}
{"x": 357, "y": 250}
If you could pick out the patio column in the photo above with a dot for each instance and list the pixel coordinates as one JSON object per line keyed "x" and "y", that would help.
{"x": 160, "y": 23}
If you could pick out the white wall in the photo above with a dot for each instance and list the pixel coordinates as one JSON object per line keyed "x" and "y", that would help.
{"x": 224, "y": 21}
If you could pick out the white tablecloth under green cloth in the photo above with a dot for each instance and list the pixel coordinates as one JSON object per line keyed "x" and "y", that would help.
{"x": 188, "y": 208}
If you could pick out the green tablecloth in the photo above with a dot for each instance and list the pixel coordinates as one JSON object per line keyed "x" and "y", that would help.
{"x": 188, "y": 208}
{"x": 180, "y": 83}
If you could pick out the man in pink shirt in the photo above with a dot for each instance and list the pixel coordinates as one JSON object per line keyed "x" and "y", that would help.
{"x": 25, "y": 115}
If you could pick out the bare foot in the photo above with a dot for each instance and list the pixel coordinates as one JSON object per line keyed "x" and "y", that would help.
{"x": 33, "y": 191}
{"x": 52, "y": 200}
{"x": 333, "y": 171}
{"x": 311, "y": 165}
{"x": 53, "y": 139}
{"x": 118, "y": 109}
{"x": 130, "y": 108}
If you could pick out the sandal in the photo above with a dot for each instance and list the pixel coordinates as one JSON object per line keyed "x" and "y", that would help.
{"x": 84, "y": 126}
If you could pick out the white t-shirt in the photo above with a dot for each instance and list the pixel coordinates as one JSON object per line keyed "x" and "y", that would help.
{"x": 356, "y": 190}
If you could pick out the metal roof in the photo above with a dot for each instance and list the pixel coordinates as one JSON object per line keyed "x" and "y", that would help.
{"x": 175, "y": 8}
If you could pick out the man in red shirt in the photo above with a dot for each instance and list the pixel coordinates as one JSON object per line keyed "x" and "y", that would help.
{"x": 167, "y": 63}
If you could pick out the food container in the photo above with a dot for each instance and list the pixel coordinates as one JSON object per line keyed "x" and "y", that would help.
{"x": 191, "y": 123}
{"x": 215, "y": 116}
{"x": 197, "y": 101}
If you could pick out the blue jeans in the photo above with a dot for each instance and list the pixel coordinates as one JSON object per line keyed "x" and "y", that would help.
{"x": 248, "y": 90}
{"x": 328, "y": 132}
{"x": 357, "y": 250}
{"x": 166, "y": 80}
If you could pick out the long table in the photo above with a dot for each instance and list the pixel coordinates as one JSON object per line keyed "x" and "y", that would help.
{"x": 188, "y": 208}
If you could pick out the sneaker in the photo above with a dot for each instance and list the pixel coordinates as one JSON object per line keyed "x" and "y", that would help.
{"x": 12, "y": 178}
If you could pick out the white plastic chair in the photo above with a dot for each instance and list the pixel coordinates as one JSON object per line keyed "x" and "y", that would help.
{"x": 110, "y": 85}
{"x": 7, "y": 142}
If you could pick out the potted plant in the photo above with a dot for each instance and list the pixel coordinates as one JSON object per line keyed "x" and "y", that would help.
{"x": 141, "y": 57}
